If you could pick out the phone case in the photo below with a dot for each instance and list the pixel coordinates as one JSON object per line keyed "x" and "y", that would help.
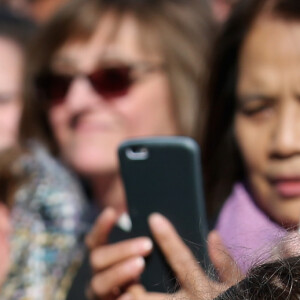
{"x": 162, "y": 174}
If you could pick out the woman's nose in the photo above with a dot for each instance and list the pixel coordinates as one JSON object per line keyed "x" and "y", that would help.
{"x": 286, "y": 132}
{"x": 81, "y": 95}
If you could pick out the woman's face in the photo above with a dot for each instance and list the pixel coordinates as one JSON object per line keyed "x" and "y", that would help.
{"x": 89, "y": 126}
{"x": 11, "y": 64}
{"x": 267, "y": 119}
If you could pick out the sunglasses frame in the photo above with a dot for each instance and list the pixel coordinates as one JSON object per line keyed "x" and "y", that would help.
{"x": 108, "y": 81}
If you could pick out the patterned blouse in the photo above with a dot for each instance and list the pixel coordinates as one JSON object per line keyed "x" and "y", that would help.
{"x": 48, "y": 228}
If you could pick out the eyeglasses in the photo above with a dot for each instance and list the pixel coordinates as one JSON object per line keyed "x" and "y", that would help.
{"x": 109, "y": 82}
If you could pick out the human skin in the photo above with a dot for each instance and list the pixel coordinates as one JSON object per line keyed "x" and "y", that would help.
{"x": 126, "y": 260}
{"x": 267, "y": 131}
{"x": 267, "y": 120}
{"x": 103, "y": 124}
{"x": 89, "y": 127}
{"x": 11, "y": 65}
{"x": 11, "y": 60}
{"x": 5, "y": 229}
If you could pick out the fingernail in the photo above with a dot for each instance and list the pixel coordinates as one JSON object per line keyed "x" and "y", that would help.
{"x": 109, "y": 211}
{"x": 137, "y": 263}
{"x": 157, "y": 220}
{"x": 146, "y": 245}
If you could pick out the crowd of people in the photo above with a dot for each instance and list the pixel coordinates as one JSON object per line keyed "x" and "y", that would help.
{"x": 79, "y": 77}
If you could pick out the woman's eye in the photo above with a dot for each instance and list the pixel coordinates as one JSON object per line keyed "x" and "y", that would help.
{"x": 255, "y": 107}
{"x": 255, "y": 110}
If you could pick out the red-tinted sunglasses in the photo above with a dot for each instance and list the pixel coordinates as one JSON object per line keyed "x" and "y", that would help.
{"x": 109, "y": 82}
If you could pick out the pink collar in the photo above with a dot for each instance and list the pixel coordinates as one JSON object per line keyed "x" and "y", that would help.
{"x": 246, "y": 230}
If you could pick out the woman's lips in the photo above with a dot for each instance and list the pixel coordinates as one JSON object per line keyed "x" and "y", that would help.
{"x": 287, "y": 187}
{"x": 93, "y": 127}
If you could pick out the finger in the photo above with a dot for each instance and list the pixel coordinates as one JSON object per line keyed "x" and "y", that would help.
{"x": 106, "y": 282}
{"x": 103, "y": 226}
{"x": 105, "y": 256}
{"x": 178, "y": 255}
{"x": 226, "y": 267}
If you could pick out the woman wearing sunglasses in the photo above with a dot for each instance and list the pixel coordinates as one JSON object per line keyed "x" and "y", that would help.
{"x": 104, "y": 71}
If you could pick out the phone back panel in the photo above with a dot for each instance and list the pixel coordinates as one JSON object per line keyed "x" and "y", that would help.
{"x": 163, "y": 175}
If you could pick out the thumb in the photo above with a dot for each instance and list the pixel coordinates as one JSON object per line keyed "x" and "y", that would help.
{"x": 101, "y": 229}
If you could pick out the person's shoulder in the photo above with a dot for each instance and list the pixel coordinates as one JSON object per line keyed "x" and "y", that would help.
{"x": 48, "y": 166}
{"x": 50, "y": 183}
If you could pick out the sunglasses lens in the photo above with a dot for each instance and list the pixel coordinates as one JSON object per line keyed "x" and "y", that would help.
{"x": 108, "y": 82}
{"x": 112, "y": 82}
{"x": 53, "y": 87}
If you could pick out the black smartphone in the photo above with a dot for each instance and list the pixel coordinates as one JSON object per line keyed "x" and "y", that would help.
{"x": 163, "y": 174}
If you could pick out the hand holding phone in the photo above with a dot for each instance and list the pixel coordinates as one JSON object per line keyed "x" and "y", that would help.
{"x": 117, "y": 276}
{"x": 112, "y": 263}
{"x": 115, "y": 266}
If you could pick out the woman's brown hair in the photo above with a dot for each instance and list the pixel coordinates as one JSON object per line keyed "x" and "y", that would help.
{"x": 180, "y": 29}
{"x": 11, "y": 175}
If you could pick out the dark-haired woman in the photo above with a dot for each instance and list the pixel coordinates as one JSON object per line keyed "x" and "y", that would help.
{"x": 252, "y": 148}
